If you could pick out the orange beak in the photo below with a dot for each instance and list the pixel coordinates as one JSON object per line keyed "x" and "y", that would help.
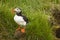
{"x": 12, "y": 11}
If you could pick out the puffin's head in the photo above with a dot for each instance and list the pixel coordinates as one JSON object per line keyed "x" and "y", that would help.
{"x": 17, "y": 10}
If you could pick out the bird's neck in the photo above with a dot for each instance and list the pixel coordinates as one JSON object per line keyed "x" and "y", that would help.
{"x": 19, "y": 14}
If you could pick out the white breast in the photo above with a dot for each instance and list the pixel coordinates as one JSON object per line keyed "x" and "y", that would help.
{"x": 19, "y": 20}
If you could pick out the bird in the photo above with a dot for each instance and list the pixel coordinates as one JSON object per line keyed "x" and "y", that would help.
{"x": 20, "y": 19}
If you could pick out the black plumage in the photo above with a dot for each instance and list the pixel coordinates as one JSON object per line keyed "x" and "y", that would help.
{"x": 24, "y": 17}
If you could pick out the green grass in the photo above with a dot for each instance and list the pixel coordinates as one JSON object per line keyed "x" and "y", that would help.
{"x": 38, "y": 27}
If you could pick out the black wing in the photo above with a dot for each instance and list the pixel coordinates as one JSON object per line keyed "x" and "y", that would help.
{"x": 25, "y": 19}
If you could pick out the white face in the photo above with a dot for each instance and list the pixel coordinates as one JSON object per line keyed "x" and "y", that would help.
{"x": 17, "y": 10}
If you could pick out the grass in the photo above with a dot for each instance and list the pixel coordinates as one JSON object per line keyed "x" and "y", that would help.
{"x": 36, "y": 10}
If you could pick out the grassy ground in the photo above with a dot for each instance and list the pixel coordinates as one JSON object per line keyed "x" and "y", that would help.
{"x": 36, "y": 10}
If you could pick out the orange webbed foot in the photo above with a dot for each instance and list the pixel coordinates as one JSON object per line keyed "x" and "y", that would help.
{"x": 23, "y": 30}
{"x": 18, "y": 29}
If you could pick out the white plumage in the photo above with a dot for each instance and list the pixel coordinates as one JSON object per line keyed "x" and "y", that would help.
{"x": 19, "y": 20}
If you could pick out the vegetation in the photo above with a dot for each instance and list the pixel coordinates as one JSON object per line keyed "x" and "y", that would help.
{"x": 36, "y": 11}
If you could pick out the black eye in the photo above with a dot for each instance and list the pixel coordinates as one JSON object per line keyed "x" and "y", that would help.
{"x": 17, "y": 9}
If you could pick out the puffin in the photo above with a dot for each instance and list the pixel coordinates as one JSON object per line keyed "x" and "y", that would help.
{"x": 20, "y": 19}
